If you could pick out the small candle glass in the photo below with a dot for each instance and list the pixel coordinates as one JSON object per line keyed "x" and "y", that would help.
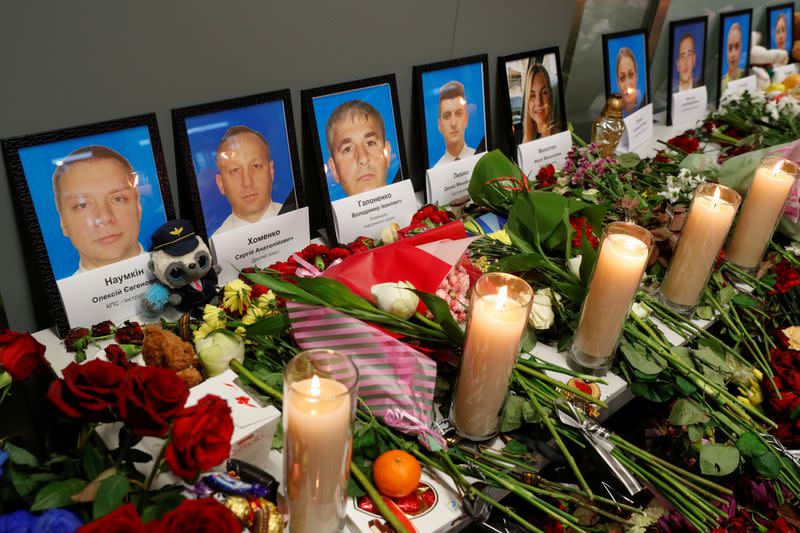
{"x": 621, "y": 261}
{"x": 498, "y": 314}
{"x": 710, "y": 217}
{"x": 761, "y": 211}
{"x": 320, "y": 389}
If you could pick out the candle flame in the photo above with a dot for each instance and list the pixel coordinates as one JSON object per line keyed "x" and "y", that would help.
{"x": 502, "y": 296}
{"x": 715, "y": 200}
{"x": 316, "y": 388}
{"x": 777, "y": 167}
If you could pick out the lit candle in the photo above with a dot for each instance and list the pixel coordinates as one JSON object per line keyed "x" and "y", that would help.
{"x": 761, "y": 211}
{"x": 499, "y": 310}
{"x": 710, "y": 217}
{"x": 617, "y": 273}
{"x": 317, "y": 443}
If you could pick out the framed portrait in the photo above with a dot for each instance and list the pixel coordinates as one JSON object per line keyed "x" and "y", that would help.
{"x": 91, "y": 196}
{"x": 532, "y": 92}
{"x": 627, "y": 69}
{"x": 734, "y": 47}
{"x": 453, "y": 106}
{"x": 238, "y": 161}
{"x": 358, "y": 146}
{"x": 780, "y": 20}
{"x": 687, "y": 53}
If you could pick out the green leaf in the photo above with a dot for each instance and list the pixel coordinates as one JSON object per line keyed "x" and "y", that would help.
{"x": 19, "y": 456}
{"x": 271, "y": 325}
{"x": 330, "y": 291}
{"x": 57, "y": 494}
{"x": 767, "y": 465}
{"x": 726, "y": 294}
{"x": 515, "y": 447}
{"x": 628, "y": 159}
{"x": 26, "y": 483}
{"x": 655, "y": 392}
{"x": 718, "y": 459}
{"x": 686, "y": 412}
{"x": 745, "y": 301}
{"x": 277, "y": 438}
{"x": 110, "y": 495}
{"x": 92, "y": 462}
{"x": 528, "y": 340}
{"x": 354, "y": 490}
{"x": 705, "y": 312}
{"x": 441, "y": 313}
{"x": 512, "y": 416}
{"x": 521, "y": 263}
{"x": 486, "y": 186}
{"x": 751, "y": 446}
{"x": 640, "y": 360}
{"x": 686, "y": 387}
{"x": 284, "y": 289}
{"x": 696, "y": 432}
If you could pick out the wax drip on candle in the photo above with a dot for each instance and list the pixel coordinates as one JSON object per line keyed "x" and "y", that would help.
{"x": 502, "y": 296}
{"x": 316, "y": 388}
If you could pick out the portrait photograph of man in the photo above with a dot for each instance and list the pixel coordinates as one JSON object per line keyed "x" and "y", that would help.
{"x": 734, "y": 46}
{"x": 780, "y": 20}
{"x": 97, "y": 198}
{"x": 453, "y": 109}
{"x": 241, "y": 164}
{"x": 358, "y": 140}
{"x": 687, "y": 67}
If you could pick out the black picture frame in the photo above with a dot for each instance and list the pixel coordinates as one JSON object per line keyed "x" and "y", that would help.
{"x": 188, "y": 189}
{"x": 502, "y": 76}
{"x": 24, "y": 200}
{"x": 721, "y": 50}
{"x": 310, "y": 123}
{"x": 606, "y": 65}
{"x": 790, "y": 24}
{"x": 419, "y": 70}
{"x": 673, "y": 25}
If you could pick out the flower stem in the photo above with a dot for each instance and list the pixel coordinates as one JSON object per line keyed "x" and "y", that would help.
{"x": 156, "y": 465}
{"x": 240, "y": 369}
{"x": 377, "y": 499}
{"x": 547, "y": 379}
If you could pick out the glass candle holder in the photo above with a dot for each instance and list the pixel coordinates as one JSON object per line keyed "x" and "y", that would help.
{"x": 621, "y": 261}
{"x": 761, "y": 211}
{"x": 710, "y": 217}
{"x": 320, "y": 390}
{"x": 498, "y": 314}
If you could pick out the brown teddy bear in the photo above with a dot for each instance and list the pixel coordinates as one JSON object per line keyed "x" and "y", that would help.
{"x": 164, "y": 349}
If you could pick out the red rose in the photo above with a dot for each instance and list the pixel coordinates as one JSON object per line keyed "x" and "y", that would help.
{"x": 285, "y": 268}
{"x": 123, "y": 519}
{"x": 257, "y": 291}
{"x": 76, "y": 339}
{"x": 149, "y": 398}
{"x": 198, "y": 516}
{"x": 130, "y": 333}
{"x": 20, "y": 354}
{"x": 432, "y": 214}
{"x": 116, "y": 355}
{"x": 201, "y": 437}
{"x": 103, "y": 329}
{"x": 88, "y": 391}
{"x": 685, "y": 143}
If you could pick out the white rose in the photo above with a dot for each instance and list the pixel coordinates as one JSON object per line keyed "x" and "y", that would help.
{"x": 389, "y": 233}
{"x": 574, "y": 265}
{"x": 395, "y": 298}
{"x": 218, "y": 350}
{"x": 542, "y": 315}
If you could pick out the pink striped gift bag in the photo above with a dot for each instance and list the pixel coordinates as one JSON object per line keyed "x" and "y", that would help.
{"x": 396, "y": 381}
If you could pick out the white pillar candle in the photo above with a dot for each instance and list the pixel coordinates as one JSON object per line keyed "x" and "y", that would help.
{"x": 620, "y": 265}
{"x": 710, "y": 217}
{"x": 494, "y": 334}
{"x": 317, "y": 443}
{"x": 761, "y": 210}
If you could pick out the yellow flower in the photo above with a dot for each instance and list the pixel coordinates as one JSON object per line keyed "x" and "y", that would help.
{"x": 501, "y": 236}
{"x": 240, "y": 331}
{"x": 253, "y": 313}
{"x": 481, "y": 263}
{"x": 793, "y": 333}
{"x": 213, "y": 319}
{"x": 236, "y": 296}
{"x": 266, "y": 301}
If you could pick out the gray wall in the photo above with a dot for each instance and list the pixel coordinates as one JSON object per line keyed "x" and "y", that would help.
{"x": 77, "y": 62}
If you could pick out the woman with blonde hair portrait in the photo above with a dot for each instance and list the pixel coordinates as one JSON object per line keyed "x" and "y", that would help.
{"x": 627, "y": 76}
{"x": 539, "y": 105}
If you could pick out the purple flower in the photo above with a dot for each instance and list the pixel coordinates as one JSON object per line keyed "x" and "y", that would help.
{"x": 674, "y": 523}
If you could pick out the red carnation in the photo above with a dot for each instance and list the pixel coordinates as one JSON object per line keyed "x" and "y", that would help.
{"x": 546, "y": 177}
{"x": 338, "y": 253}
{"x": 201, "y": 437}
{"x": 198, "y": 516}
{"x": 123, "y": 519}
{"x": 685, "y": 143}
{"x": 88, "y": 391}
{"x": 20, "y": 354}
{"x": 581, "y": 225}
{"x": 361, "y": 244}
{"x": 286, "y": 268}
{"x": 257, "y": 291}
{"x": 149, "y": 398}
{"x": 130, "y": 333}
{"x": 431, "y": 213}
{"x": 786, "y": 277}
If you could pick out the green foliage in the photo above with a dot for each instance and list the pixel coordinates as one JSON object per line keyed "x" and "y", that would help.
{"x": 685, "y": 412}
{"x": 57, "y": 494}
{"x": 493, "y": 181}
{"x": 516, "y": 411}
{"x": 110, "y": 495}
{"x": 718, "y": 459}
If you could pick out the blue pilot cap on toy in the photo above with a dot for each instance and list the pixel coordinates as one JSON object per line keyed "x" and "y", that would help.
{"x": 175, "y": 238}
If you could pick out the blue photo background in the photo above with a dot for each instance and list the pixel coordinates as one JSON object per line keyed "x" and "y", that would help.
{"x": 205, "y": 132}
{"x": 744, "y": 57}
{"x": 471, "y": 76}
{"x": 698, "y": 31}
{"x": 39, "y": 163}
{"x": 787, "y": 12}
{"x": 636, "y": 43}
{"x": 379, "y": 97}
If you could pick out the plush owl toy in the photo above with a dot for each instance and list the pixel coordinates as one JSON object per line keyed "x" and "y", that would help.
{"x": 183, "y": 265}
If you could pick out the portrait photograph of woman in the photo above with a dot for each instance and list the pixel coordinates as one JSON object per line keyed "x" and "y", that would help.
{"x": 626, "y": 68}
{"x": 779, "y": 19}
{"x": 534, "y": 94}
